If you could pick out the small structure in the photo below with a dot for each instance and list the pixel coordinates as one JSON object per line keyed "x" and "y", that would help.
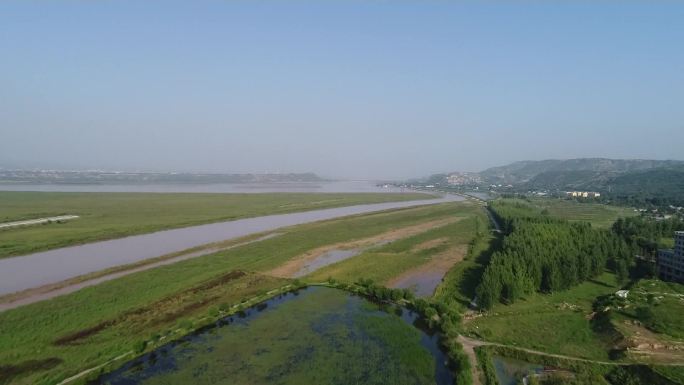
{"x": 622, "y": 294}
{"x": 583, "y": 194}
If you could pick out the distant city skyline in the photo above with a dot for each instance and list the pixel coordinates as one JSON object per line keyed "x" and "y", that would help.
{"x": 373, "y": 90}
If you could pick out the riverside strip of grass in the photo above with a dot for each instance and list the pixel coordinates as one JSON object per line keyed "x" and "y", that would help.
{"x": 115, "y": 215}
{"x": 48, "y": 341}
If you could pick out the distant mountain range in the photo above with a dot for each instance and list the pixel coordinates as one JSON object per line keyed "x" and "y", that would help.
{"x": 631, "y": 181}
{"x": 103, "y": 177}
{"x": 572, "y": 172}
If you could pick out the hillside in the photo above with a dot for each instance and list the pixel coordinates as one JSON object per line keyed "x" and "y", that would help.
{"x": 554, "y": 172}
{"x": 657, "y": 187}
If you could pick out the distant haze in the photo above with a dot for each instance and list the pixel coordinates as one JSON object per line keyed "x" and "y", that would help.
{"x": 342, "y": 89}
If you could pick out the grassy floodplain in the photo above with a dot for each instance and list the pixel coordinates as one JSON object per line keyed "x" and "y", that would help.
{"x": 115, "y": 215}
{"x": 386, "y": 262}
{"x": 46, "y": 342}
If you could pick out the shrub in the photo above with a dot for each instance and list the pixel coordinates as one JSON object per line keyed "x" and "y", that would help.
{"x": 139, "y": 346}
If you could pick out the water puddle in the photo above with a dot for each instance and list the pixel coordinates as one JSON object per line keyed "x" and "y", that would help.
{"x": 326, "y": 259}
{"x": 423, "y": 284}
{"x": 509, "y": 371}
{"x": 334, "y": 256}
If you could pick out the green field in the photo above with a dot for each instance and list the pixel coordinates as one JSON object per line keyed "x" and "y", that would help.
{"x": 597, "y": 214}
{"x": 48, "y": 341}
{"x": 554, "y": 323}
{"x": 114, "y": 215}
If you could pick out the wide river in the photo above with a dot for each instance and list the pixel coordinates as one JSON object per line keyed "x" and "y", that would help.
{"x": 346, "y": 186}
{"x": 34, "y": 270}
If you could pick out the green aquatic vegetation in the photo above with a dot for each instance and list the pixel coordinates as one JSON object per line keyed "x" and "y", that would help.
{"x": 324, "y": 336}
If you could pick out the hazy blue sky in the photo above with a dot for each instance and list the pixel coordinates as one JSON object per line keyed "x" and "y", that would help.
{"x": 355, "y": 89}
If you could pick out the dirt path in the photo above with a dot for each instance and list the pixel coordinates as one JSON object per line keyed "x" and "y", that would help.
{"x": 469, "y": 346}
{"x": 471, "y": 343}
{"x": 38, "y": 221}
{"x": 291, "y": 267}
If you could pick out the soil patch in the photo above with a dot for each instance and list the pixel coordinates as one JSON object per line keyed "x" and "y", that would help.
{"x": 425, "y": 278}
{"x": 291, "y": 267}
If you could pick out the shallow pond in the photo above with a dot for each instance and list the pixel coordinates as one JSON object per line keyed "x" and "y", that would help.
{"x": 316, "y": 336}
{"x": 509, "y": 370}
{"x": 423, "y": 284}
{"x": 332, "y": 256}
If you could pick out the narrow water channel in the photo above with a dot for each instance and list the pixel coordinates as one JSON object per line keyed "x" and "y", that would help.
{"x": 316, "y": 336}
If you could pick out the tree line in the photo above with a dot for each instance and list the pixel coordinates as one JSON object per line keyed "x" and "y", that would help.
{"x": 646, "y": 233}
{"x": 545, "y": 254}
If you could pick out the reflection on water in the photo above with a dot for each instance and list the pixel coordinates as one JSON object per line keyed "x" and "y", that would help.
{"x": 509, "y": 370}
{"x": 318, "y": 336}
{"x": 423, "y": 283}
{"x": 326, "y": 259}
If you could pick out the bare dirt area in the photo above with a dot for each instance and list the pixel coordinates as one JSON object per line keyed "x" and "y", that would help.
{"x": 646, "y": 345}
{"x": 431, "y": 244}
{"x": 427, "y": 276}
{"x": 469, "y": 346}
{"x": 291, "y": 267}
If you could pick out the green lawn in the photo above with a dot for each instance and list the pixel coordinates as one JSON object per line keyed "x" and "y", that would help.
{"x": 553, "y": 323}
{"x": 116, "y": 314}
{"x": 114, "y": 215}
{"x": 597, "y": 214}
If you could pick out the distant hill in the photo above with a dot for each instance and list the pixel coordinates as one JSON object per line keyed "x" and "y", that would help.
{"x": 555, "y": 173}
{"x": 659, "y": 187}
{"x": 629, "y": 181}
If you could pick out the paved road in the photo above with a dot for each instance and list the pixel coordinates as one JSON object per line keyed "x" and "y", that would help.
{"x": 34, "y": 270}
{"x": 37, "y": 221}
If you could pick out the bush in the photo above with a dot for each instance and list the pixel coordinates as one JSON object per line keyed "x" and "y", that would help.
{"x": 139, "y": 346}
{"x": 486, "y": 366}
{"x": 213, "y": 311}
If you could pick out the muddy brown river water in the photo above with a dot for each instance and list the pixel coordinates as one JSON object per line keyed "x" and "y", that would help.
{"x": 34, "y": 270}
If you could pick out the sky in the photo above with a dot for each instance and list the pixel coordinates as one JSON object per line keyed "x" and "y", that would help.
{"x": 374, "y": 89}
